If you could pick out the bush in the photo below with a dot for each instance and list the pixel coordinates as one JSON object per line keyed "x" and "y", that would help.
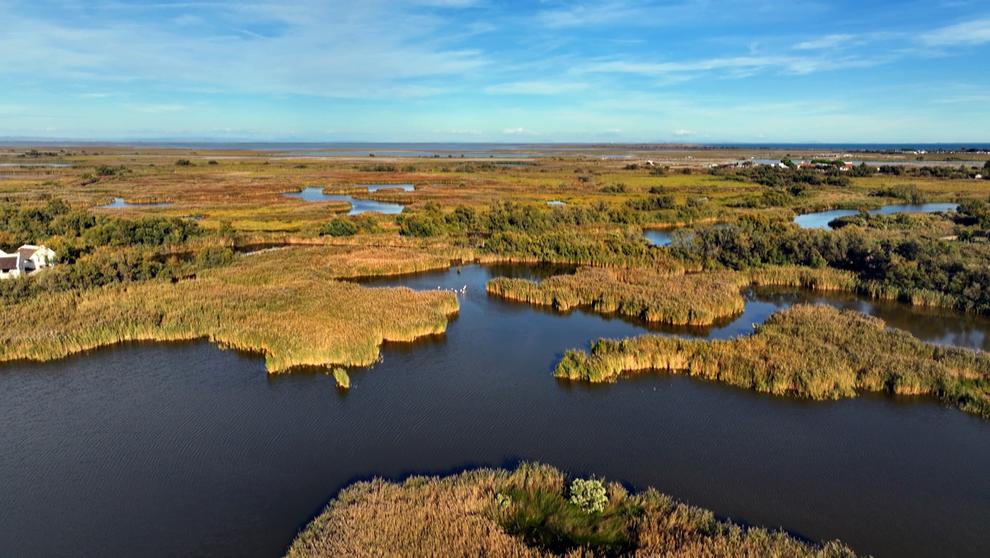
{"x": 422, "y": 225}
{"x": 589, "y": 495}
{"x": 183, "y": 163}
{"x": 214, "y": 256}
{"x": 339, "y": 227}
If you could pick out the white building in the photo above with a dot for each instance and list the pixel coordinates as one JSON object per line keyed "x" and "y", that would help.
{"x": 26, "y": 259}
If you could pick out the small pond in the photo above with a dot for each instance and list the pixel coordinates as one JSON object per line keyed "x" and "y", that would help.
{"x": 657, "y": 237}
{"x": 119, "y": 203}
{"x": 358, "y": 206}
{"x": 821, "y": 219}
{"x": 403, "y": 187}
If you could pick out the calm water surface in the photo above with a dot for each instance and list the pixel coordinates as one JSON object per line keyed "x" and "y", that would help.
{"x": 183, "y": 449}
{"x": 403, "y": 187}
{"x": 118, "y": 203}
{"x": 658, "y": 237}
{"x": 358, "y": 206}
{"x": 821, "y": 219}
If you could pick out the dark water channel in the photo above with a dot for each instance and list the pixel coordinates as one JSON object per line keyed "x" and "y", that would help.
{"x": 183, "y": 449}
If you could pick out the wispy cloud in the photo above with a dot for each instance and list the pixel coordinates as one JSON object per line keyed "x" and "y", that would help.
{"x": 315, "y": 48}
{"x": 536, "y": 88}
{"x": 975, "y": 32}
{"x": 489, "y": 71}
{"x": 733, "y": 66}
{"x": 828, "y": 41}
{"x": 157, "y": 109}
{"x": 520, "y": 132}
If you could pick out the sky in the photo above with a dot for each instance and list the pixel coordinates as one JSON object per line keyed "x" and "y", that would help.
{"x": 684, "y": 71}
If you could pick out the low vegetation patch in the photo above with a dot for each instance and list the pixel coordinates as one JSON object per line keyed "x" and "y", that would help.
{"x": 528, "y": 513}
{"x": 816, "y": 352}
{"x": 340, "y": 376}
{"x": 661, "y": 296}
{"x": 289, "y": 305}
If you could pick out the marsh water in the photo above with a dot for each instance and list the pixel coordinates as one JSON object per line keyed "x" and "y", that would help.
{"x": 821, "y": 219}
{"x": 119, "y": 203}
{"x": 182, "y": 449}
{"x": 358, "y": 206}
{"x": 657, "y": 237}
{"x": 403, "y": 187}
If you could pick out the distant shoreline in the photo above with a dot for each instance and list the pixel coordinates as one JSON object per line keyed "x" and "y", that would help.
{"x": 493, "y": 146}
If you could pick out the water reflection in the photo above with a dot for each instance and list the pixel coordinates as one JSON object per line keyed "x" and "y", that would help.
{"x": 358, "y": 206}
{"x": 821, "y": 219}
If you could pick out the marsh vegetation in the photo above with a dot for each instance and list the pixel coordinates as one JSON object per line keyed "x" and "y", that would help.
{"x": 530, "y": 512}
{"x": 816, "y": 352}
{"x": 660, "y": 296}
{"x": 290, "y": 305}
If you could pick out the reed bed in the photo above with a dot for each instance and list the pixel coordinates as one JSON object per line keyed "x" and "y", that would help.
{"x": 662, "y": 296}
{"x": 288, "y": 305}
{"x": 815, "y": 352}
{"x": 475, "y": 512}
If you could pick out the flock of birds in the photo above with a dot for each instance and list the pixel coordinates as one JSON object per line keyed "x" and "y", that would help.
{"x": 461, "y": 291}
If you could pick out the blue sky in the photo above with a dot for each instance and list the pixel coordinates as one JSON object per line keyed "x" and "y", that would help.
{"x": 481, "y": 70}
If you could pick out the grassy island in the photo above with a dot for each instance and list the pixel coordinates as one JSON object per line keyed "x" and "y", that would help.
{"x": 816, "y": 352}
{"x": 532, "y": 511}
{"x": 660, "y": 296}
{"x": 291, "y": 305}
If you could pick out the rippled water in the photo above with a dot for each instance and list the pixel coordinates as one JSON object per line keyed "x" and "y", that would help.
{"x": 182, "y": 449}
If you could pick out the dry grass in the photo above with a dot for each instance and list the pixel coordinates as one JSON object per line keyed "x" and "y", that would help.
{"x": 816, "y": 352}
{"x": 288, "y": 304}
{"x": 467, "y": 514}
{"x": 661, "y": 296}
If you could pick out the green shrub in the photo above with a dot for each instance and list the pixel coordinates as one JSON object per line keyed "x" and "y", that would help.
{"x": 214, "y": 256}
{"x": 421, "y": 225}
{"x": 339, "y": 227}
{"x": 589, "y": 495}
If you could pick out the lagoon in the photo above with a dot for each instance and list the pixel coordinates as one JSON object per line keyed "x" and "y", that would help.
{"x": 183, "y": 449}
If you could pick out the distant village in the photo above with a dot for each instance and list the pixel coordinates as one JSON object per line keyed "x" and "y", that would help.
{"x": 25, "y": 260}
{"x": 822, "y": 164}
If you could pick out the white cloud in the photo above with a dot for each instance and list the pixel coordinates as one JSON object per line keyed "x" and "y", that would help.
{"x": 333, "y": 49}
{"x": 157, "y": 109}
{"x": 735, "y": 66}
{"x": 519, "y": 132}
{"x": 536, "y": 88}
{"x": 828, "y": 41}
{"x": 976, "y": 32}
{"x": 683, "y": 133}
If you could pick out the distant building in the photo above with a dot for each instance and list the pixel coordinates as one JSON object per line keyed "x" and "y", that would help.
{"x": 26, "y": 259}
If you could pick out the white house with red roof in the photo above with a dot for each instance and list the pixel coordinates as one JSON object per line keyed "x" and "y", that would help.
{"x": 26, "y": 259}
